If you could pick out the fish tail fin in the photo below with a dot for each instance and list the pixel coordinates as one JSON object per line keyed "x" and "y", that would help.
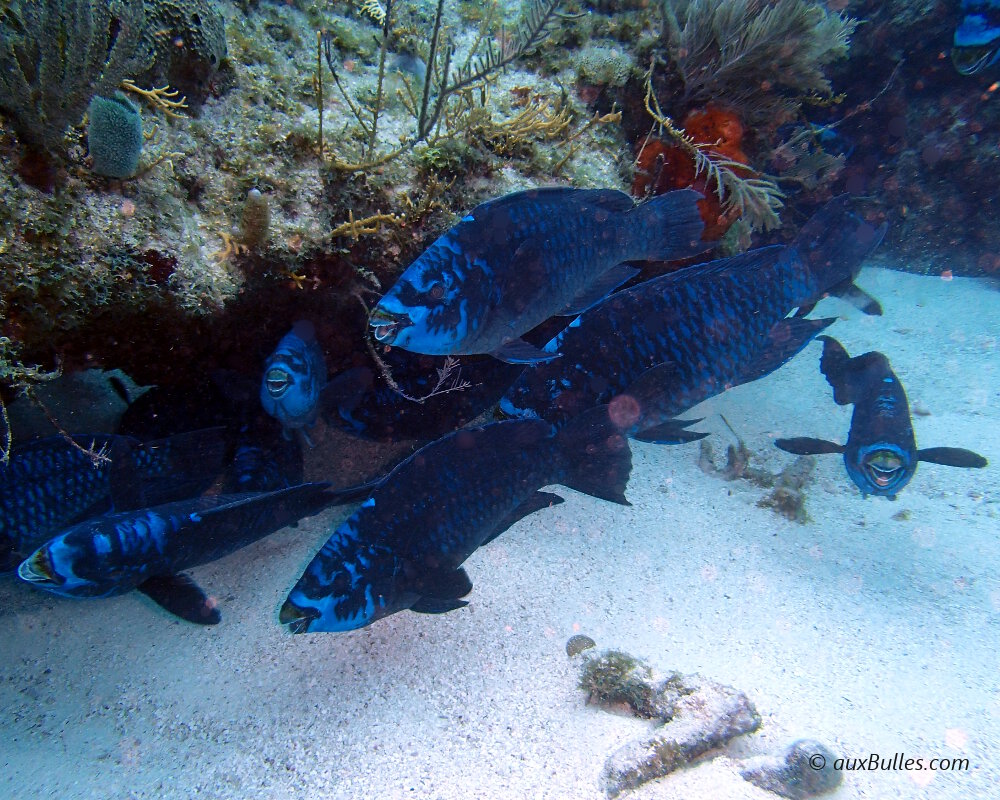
{"x": 835, "y": 364}
{"x": 597, "y": 456}
{"x": 669, "y": 226}
{"x": 833, "y": 244}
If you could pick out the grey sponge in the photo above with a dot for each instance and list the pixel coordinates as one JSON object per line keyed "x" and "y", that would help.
{"x": 114, "y": 135}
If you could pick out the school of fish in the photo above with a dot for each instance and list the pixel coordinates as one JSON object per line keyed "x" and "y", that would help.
{"x": 527, "y": 292}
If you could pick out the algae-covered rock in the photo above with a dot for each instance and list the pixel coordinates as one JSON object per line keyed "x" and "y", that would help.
{"x": 189, "y": 39}
{"x": 696, "y": 715}
{"x": 614, "y": 679}
{"x": 804, "y": 770}
{"x": 704, "y": 715}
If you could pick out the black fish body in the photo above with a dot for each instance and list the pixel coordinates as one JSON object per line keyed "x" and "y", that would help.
{"x": 706, "y": 328}
{"x": 49, "y": 483}
{"x": 515, "y": 261}
{"x": 148, "y": 549}
{"x": 404, "y": 547}
{"x": 881, "y": 453}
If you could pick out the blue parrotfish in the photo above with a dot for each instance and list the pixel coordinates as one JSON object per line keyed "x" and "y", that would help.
{"x": 881, "y": 453}
{"x": 697, "y": 331}
{"x": 513, "y": 262}
{"x": 150, "y": 548}
{"x": 51, "y": 483}
{"x": 404, "y": 547}
{"x": 294, "y": 377}
{"x": 977, "y": 38}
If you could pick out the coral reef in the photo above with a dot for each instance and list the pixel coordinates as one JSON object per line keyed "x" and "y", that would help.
{"x": 434, "y": 108}
{"x": 188, "y": 39}
{"x": 762, "y": 57}
{"x": 47, "y": 86}
{"x": 102, "y": 273}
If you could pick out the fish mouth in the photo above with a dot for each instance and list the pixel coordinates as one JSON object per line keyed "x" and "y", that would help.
{"x": 884, "y": 468}
{"x": 38, "y": 569}
{"x": 970, "y": 60}
{"x": 277, "y": 381}
{"x": 296, "y": 618}
{"x": 387, "y": 324}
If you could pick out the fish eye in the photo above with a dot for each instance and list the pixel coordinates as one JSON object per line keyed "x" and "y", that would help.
{"x": 437, "y": 291}
{"x": 277, "y": 382}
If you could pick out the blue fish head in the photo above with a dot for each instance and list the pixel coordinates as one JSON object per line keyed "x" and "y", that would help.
{"x": 294, "y": 376}
{"x": 348, "y": 585}
{"x": 882, "y": 469}
{"x": 977, "y": 37}
{"x": 433, "y": 321}
{"x": 65, "y": 567}
{"x": 440, "y": 302}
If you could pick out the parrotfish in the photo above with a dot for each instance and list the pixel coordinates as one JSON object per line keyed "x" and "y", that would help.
{"x": 881, "y": 453}
{"x": 515, "y": 261}
{"x": 977, "y": 37}
{"x": 404, "y": 547}
{"x": 50, "y": 484}
{"x": 699, "y": 330}
{"x": 150, "y": 548}
{"x": 294, "y": 377}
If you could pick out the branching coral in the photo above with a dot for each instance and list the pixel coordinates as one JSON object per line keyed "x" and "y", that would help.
{"x": 441, "y": 107}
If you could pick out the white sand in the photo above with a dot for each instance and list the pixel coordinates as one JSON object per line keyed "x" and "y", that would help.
{"x": 867, "y": 633}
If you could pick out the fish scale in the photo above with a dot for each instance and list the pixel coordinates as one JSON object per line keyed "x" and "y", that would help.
{"x": 50, "y": 483}
{"x": 714, "y": 301}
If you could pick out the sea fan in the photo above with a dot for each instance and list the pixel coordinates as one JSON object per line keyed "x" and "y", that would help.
{"x": 759, "y": 56}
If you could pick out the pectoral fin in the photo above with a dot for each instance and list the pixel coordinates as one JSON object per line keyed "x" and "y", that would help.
{"x": 605, "y": 284}
{"x": 804, "y": 446}
{"x": 440, "y": 592}
{"x": 518, "y": 351}
{"x": 182, "y": 597}
{"x": 535, "y": 502}
{"x": 436, "y": 605}
{"x": 670, "y": 432}
{"x": 952, "y": 457}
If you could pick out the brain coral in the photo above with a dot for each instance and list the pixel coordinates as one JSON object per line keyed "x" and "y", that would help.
{"x": 604, "y": 64}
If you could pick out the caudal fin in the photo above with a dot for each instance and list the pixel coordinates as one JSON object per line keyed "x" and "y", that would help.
{"x": 835, "y": 365}
{"x": 834, "y": 243}
{"x": 597, "y": 456}
{"x": 669, "y": 226}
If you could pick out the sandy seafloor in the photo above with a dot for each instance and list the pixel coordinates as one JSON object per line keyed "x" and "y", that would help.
{"x": 871, "y": 634}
